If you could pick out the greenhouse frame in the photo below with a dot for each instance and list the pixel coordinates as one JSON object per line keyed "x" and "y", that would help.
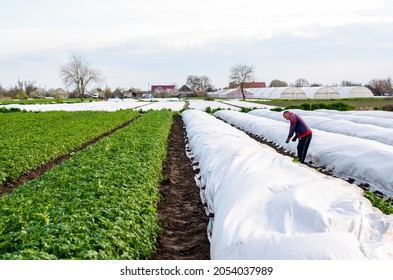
{"x": 295, "y": 92}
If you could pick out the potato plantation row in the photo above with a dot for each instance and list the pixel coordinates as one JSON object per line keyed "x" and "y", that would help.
{"x": 29, "y": 140}
{"x": 99, "y": 204}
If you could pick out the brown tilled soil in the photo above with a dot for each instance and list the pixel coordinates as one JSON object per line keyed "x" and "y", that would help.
{"x": 181, "y": 211}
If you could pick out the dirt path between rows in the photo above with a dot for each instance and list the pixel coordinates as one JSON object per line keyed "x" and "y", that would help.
{"x": 181, "y": 211}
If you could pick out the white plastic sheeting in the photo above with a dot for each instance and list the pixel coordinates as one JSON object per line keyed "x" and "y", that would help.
{"x": 203, "y": 104}
{"x": 145, "y": 104}
{"x": 110, "y": 105}
{"x": 354, "y": 92}
{"x": 297, "y": 93}
{"x": 347, "y": 157}
{"x": 321, "y": 92}
{"x": 315, "y": 120}
{"x": 246, "y": 104}
{"x": 363, "y": 119}
{"x": 267, "y": 207}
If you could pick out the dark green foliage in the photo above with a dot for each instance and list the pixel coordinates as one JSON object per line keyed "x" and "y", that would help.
{"x": 99, "y": 204}
{"x": 340, "y": 106}
{"x": 31, "y": 139}
{"x": 384, "y": 204}
{"x": 247, "y": 109}
{"x": 10, "y": 110}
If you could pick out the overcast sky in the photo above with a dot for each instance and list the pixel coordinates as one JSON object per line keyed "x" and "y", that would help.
{"x": 143, "y": 42}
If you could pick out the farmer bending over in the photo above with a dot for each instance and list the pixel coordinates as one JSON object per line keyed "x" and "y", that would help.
{"x": 302, "y": 131}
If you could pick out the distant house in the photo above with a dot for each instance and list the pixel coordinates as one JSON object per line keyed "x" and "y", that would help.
{"x": 132, "y": 93}
{"x": 254, "y": 85}
{"x": 185, "y": 91}
{"x": 162, "y": 88}
{"x": 248, "y": 85}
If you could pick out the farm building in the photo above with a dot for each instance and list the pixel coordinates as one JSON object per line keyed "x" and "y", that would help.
{"x": 230, "y": 93}
{"x": 254, "y": 85}
{"x": 186, "y": 91}
{"x": 296, "y": 92}
{"x": 284, "y": 93}
{"x": 256, "y": 92}
{"x": 353, "y": 92}
{"x": 321, "y": 92}
{"x": 162, "y": 88}
{"x": 237, "y": 93}
{"x": 273, "y": 92}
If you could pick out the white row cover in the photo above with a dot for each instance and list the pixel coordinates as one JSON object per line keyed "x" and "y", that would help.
{"x": 267, "y": 207}
{"x": 295, "y": 92}
{"x": 347, "y": 157}
{"x": 373, "y": 117}
{"x": 341, "y": 126}
{"x": 367, "y": 113}
{"x": 203, "y": 104}
{"x": 144, "y": 104}
{"x": 110, "y": 105}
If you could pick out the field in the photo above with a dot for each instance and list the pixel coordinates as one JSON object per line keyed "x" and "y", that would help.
{"x": 141, "y": 190}
{"x": 30, "y": 140}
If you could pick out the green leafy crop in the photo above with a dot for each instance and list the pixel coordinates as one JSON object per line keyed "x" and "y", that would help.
{"x": 31, "y": 139}
{"x": 99, "y": 204}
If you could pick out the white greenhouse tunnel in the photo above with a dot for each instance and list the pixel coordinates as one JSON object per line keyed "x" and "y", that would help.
{"x": 296, "y": 92}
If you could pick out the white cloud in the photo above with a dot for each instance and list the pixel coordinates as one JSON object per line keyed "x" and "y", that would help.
{"x": 175, "y": 23}
{"x": 144, "y": 40}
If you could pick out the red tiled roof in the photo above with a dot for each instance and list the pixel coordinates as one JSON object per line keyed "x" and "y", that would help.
{"x": 254, "y": 85}
{"x": 162, "y": 87}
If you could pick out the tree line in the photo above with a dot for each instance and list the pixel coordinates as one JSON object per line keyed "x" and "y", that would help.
{"x": 78, "y": 75}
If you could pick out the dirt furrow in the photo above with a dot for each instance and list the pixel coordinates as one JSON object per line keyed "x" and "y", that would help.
{"x": 181, "y": 211}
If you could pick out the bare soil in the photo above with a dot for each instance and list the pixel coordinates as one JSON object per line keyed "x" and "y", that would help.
{"x": 181, "y": 211}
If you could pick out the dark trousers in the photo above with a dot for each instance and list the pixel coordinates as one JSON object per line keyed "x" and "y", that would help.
{"x": 302, "y": 147}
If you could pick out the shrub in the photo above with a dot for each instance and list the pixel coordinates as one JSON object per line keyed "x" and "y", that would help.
{"x": 340, "y": 106}
{"x": 247, "y": 109}
{"x": 387, "y": 107}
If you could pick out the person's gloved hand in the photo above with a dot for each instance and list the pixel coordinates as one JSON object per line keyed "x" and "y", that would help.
{"x": 287, "y": 141}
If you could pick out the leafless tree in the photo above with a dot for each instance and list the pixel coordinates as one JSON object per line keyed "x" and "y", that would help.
{"x": 78, "y": 75}
{"x": 345, "y": 83}
{"x": 3, "y": 92}
{"x": 200, "y": 83}
{"x": 379, "y": 87}
{"x": 302, "y": 82}
{"x": 241, "y": 73}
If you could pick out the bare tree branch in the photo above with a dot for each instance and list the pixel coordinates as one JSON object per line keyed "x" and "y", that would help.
{"x": 241, "y": 73}
{"x": 78, "y": 75}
